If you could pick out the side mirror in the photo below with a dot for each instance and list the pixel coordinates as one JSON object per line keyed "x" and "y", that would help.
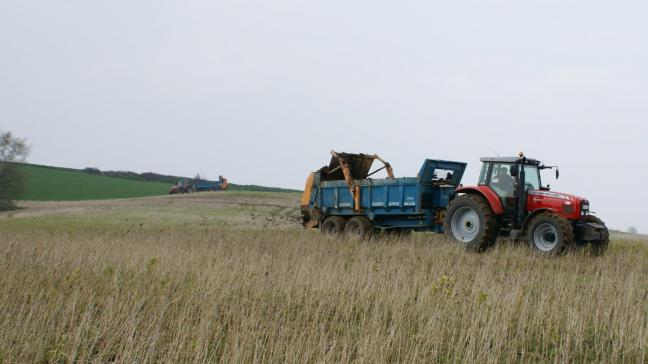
{"x": 514, "y": 170}
{"x": 557, "y": 173}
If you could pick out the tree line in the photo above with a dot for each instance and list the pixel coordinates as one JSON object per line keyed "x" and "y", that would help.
{"x": 146, "y": 176}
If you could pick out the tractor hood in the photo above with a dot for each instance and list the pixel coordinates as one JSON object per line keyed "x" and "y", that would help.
{"x": 557, "y": 195}
{"x": 569, "y": 206}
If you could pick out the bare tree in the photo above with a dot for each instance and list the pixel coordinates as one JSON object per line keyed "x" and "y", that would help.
{"x": 13, "y": 151}
{"x": 632, "y": 230}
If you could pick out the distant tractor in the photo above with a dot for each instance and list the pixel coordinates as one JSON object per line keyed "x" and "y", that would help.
{"x": 510, "y": 200}
{"x": 184, "y": 186}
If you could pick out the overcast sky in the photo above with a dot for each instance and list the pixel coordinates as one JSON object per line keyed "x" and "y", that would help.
{"x": 261, "y": 91}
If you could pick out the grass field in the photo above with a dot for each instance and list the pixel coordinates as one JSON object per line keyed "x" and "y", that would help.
{"x": 64, "y": 184}
{"x": 55, "y": 184}
{"x": 232, "y": 277}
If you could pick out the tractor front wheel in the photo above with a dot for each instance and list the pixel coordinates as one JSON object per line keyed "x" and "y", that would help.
{"x": 470, "y": 221}
{"x": 550, "y": 234}
{"x": 333, "y": 226}
{"x": 358, "y": 228}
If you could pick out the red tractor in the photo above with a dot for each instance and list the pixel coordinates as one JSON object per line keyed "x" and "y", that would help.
{"x": 511, "y": 201}
{"x": 183, "y": 186}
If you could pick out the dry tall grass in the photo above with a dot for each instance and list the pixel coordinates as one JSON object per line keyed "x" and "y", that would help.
{"x": 215, "y": 294}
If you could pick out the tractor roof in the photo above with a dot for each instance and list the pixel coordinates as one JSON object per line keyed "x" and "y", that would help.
{"x": 509, "y": 160}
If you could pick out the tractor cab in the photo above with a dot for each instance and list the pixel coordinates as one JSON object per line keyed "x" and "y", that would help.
{"x": 511, "y": 178}
{"x": 502, "y": 175}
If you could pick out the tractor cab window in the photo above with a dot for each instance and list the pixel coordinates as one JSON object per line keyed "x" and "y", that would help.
{"x": 483, "y": 175}
{"x": 501, "y": 180}
{"x": 531, "y": 177}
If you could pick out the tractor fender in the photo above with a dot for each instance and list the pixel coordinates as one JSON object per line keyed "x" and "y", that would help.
{"x": 487, "y": 193}
{"x": 535, "y": 213}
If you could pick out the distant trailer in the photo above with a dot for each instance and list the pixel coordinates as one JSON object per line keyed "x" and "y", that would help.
{"x": 220, "y": 185}
{"x": 183, "y": 186}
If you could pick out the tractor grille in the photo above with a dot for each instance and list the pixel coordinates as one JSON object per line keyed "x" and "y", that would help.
{"x": 568, "y": 209}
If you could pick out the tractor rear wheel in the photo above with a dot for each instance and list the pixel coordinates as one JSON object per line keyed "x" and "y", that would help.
{"x": 599, "y": 247}
{"x": 333, "y": 226}
{"x": 358, "y": 228}
{"x": 550, "y": 234}
{"x": 470, "y": 221}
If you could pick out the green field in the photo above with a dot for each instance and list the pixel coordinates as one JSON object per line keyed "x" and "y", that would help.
{"x": 58, "y": 184}
{"x": 45, "y": 183}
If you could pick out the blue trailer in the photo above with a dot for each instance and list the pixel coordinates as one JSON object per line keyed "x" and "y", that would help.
{"x": 342, "y": 198}
{"x": 202, "y": 185}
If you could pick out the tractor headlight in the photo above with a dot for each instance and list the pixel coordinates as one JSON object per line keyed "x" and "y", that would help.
{"x": 585, "y": 207}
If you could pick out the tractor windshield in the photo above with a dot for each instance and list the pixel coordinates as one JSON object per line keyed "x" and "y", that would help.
{"x": 501, "y": 180}
{"x": 532, "y": 177}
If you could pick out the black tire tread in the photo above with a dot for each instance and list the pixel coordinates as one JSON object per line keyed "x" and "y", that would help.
{"x": 489, "y": 234}
{"x": 566, "y": 231}
{"x": 337, "y": 220}
{"x": 367, "y": 226}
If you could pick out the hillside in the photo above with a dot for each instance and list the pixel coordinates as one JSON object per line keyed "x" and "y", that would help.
{"x": 58, "y": 184}
{"x": 169, "y": 179}
{"x": 47, "y": 183}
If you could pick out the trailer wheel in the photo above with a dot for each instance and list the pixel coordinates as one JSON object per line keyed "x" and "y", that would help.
{"x": 598, "y": 248}
{"x": 358, "y": 228}
{"x": 470, "y": 221}
{"x": 550, "y": 234}
{"x": 333, "y": 226}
